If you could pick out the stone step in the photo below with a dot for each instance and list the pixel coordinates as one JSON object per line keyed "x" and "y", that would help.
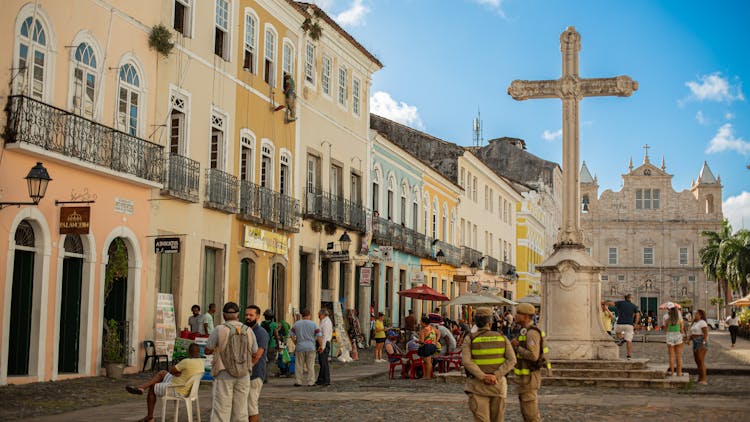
{"x": 618, "y": 364}
{"x": 665, "y": 383}
{"x": 650, "y": 373}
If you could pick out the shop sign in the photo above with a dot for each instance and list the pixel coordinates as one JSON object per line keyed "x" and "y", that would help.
{"x": 75, "y": 220}
{"x": 417, "y": 277}
{"x": 265, "y": 240}
{"x": 387, "y": 253}
{"x": 326, "y": 295}
{"x": 336, "y": 256}
{"x": 167, "y": 245}
{"x": 365, "y": 275}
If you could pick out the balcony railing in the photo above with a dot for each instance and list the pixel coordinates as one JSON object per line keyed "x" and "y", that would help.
{"x": 221, "y": 191}
{"x": 492, "y": 265}
{"x": 388, "y": 233}
{"x": 507, "y": 269}
{"x": 326, "y": 207}
{"x": 183, "y": 178}
{"x": 264, "y": 206}
{"x": 53, "y": 129}
{"x": 469, "y": 256}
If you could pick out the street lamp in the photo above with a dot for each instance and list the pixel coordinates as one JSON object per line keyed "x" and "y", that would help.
{"x": 345, "y": 241}
{"x": 474, "y": 268}
{"x": 36, "y": 181}
{"x": 440, "y": 256}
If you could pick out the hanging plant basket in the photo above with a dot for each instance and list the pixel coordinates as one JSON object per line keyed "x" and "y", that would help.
{"x": 160, "y": 40}
{"x": 316, "y": 226}
{"x": 330, "y": 228}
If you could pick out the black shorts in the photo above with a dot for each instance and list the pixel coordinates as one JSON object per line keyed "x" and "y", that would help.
{"x": 426, "y": 350}
{"x": 379, "y": 340}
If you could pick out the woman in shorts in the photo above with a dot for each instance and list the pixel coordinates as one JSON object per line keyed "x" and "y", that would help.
{"x": 675, "y": 338}
{"x": 699, "y": 336}
{"x": 428, "y": 340}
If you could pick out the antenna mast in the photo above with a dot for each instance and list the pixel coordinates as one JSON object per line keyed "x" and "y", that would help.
{"x": 478, "y": 140}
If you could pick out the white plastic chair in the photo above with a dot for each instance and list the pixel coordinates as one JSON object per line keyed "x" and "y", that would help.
{"x": 172, "y": 395}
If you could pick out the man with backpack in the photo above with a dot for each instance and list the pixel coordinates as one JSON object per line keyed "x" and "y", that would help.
{"x": 233, "y": 346}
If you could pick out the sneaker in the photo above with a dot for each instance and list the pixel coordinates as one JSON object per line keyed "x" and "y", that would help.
{"x": 628, "y": 357}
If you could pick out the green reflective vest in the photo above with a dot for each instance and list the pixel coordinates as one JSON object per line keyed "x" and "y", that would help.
{"x": 524, "y": 367}
{"x": 488, "y": 350}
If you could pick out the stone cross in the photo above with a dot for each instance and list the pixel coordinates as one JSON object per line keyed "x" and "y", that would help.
{"x": 571, "y": 89}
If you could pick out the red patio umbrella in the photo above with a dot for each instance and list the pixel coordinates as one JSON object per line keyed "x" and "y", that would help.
{"x": 423, "y": 292}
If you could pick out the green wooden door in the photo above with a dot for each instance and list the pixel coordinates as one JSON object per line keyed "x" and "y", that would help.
{"x": 70, "y": 315}
{"x": 20, "y": 313}
{"x": 648, "y": 304}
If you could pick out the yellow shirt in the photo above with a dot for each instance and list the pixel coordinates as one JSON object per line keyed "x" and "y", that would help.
{"x": 379, "y": 329}
{"x": 607, "y": 320}
{"x": 188, "y": 368}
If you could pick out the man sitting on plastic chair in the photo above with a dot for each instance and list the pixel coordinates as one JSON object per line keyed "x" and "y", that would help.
{"x": 177, "y": 376}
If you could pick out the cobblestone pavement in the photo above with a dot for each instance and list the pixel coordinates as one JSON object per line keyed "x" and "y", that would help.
{"x": 363, "y": 392}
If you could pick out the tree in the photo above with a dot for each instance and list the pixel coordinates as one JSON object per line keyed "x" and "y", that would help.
{"x": 710, "y": 255}
{"x": 735, "y": 253}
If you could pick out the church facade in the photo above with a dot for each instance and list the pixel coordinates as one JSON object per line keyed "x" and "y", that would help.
{"x": 648, "y": 235}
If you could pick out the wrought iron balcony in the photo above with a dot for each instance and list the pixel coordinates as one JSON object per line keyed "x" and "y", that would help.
{"x": 507, "y": 269}
{"x": 183, "y": 178}
{"x": 452, "y": 253}
{"x": 326, "y": 207}
{"x": 266, "y": 207}
{"x": 469, "y": 256}
{"x": 53, "y": 129}
{"x": 221, "y": 191}
{"x": 492, "y": 265}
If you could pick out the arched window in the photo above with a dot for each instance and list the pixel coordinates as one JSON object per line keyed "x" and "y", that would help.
{"x": 390, "y": 198}
{"x": 287, "y": 59}
{"x": 33, "y": 59}
{"x": 435, "y": 209}
{"x": 444, "y": 225}
{"x": 376, "y": 190}
{"x": 269, "y": 64}
{"x": 402, "y": 207}
{"x": 129, "y": 99}
{"x": 251, "y": 41}
{"x": 247, "y": 155}
{"x": 452, "y": 230}
{"x": 285, "y": 173}
{"x": 426, "y": 213}
{"x": 415, "y": 210}
{"x": 84, "y": 80}
{"x": 266, "y": 164}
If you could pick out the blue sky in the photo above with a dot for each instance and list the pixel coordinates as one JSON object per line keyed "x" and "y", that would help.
{"x": 444, "y": 59}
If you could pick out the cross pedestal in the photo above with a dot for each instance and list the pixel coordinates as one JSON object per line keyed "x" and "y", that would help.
{"x": 571, "y": 292}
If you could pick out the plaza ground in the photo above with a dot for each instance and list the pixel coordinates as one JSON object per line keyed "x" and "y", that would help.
{"x": 362, "y": 392}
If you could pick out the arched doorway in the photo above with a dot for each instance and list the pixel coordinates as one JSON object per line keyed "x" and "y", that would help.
{"x": 70, "y": 305}
{"x": 116, "y": 287}
{"x": 278, "y": 290}
{"x": 247, "y": 282}
{"x": 22, "y": 296}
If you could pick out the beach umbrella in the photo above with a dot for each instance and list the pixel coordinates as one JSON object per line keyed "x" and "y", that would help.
{"x": 532, "y": 299}
{"x": 478, "y": 299}
{"x": 668, "y": 305}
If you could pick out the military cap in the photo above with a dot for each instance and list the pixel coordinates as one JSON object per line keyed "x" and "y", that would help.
{"x": 525, "y": 308}
{"x": 483, "y": 312}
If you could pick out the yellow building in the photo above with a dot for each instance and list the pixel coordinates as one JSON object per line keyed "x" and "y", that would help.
{"x": 438, "y": 221}
{"x": 259, "y": 258}
{"x": 530, "y": 240}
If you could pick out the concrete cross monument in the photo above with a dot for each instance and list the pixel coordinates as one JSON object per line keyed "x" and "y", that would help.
{"x": 570, "y": 277}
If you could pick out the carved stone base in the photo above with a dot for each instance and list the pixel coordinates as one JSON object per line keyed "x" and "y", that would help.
{"x": 570, "y": 313}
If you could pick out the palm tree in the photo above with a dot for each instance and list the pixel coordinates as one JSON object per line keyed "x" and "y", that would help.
{"x": 735, "y": 253}
{"x": 710, "y": 255}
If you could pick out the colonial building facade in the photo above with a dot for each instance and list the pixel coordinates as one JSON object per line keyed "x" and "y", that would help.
{"x": 648, "y": 235}
{"x": 79, "y": 90}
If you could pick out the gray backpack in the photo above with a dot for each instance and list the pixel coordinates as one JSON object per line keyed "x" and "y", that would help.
{"x": 235, "y": 355}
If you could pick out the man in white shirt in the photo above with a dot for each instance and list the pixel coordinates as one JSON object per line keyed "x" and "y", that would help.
{"x": 326, "y": 331}
{"x": 208, "y": 319}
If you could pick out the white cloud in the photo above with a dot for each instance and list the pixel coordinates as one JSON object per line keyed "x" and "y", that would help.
{"x": 701, "y": 118}
{"x": 382, "y": 104}
{"x": 729, "y": 116}
{"x": 737, "y": 210}
{"x": 492, "y": 4}
{"x": 354, "y": 15}
{"x": 550, "y": 136}
{"x": 714, "y": 87}
{"x": 724, "y": 140}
